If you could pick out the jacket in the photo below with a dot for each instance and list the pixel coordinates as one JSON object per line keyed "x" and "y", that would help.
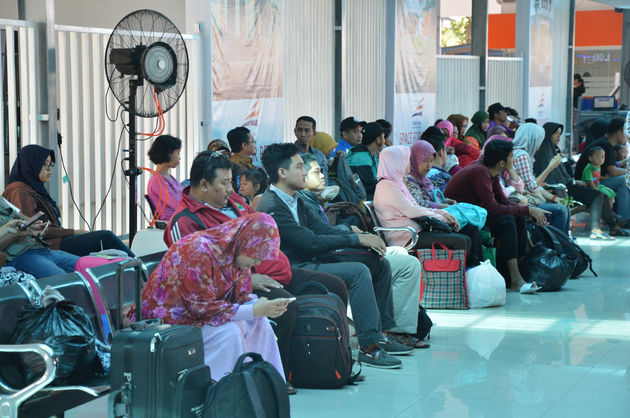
{"x": 22, "y": 245}
{"x": 304, "y": 241}
{"x": 191, "y": 216}
{"x": 30, "y": 202}
{"x": 365, "y": 165}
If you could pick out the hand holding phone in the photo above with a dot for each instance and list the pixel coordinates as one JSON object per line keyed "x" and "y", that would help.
{"x": 30, "y": 221}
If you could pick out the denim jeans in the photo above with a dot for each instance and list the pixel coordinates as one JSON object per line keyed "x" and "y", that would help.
{"x": 622, "y": 200}
{"x": 560, "y": 216}
{"x": 92, "y": 242}
{"x": 43, "y": 262}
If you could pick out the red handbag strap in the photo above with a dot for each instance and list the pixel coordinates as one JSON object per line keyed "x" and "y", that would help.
{"x": 444, "y": 247}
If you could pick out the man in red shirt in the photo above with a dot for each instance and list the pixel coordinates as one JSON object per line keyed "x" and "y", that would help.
{"x": 208, "y": 202}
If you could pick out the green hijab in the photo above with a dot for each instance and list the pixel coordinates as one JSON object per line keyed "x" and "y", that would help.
{"x": 475, "y": 130}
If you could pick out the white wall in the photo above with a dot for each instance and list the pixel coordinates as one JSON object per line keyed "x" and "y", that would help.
{"x": 8, "y": 9}
{"x": 457, "y": 86}
{"x": 560, "y": 61}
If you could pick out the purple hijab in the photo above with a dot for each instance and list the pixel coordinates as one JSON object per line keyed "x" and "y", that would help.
{"x": 420, "y": 151}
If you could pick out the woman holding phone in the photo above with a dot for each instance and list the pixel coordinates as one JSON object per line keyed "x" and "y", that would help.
{"x": 33, "y": 168}
{"x": 205, "y": 280}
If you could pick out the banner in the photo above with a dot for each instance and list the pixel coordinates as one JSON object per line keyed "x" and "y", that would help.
{"x": 247, "y": 69}
{"x": 540, "y": 60}
{"x": 416, "y": 67}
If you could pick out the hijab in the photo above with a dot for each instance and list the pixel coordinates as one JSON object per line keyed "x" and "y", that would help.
{"x": 432, "y": 132}
{"x": 497, "y": 130}
{"x": 457, "y": 120}
{"x": 324, "y": 142}
{"x": 26, "y": 168}
{"x": 528, "y": 139}
{"x": 546, "y": 152}
{"x": 420, "y": 151}
{"x": 493, "y": 138}
{"x": 206, "y": 260}
{"x": 475, "y": 130}
{"x": 393, "y": 162}
{"x": 449, "y": 127}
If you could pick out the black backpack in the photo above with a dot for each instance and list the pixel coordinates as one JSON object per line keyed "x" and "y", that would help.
{"x": 350, "y": 186}
{"x": 546, "y": 235}
{"x": 253, "y": 390}
{"x": 320, "y": 345}
{"x": 424, "y": 325}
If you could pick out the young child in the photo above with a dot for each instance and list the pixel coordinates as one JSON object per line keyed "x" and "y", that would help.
{"x": 621, "y": 155}
{"x": 592, "y": 172}
{"x": 252, "y": 185}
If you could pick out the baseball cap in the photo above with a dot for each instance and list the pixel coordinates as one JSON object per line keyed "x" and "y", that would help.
{"x": 495, "y": 108}
{"x": 350, "y": 123}
{"x": 370, "y": 132}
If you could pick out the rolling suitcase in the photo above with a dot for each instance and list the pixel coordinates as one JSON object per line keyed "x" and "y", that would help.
{"x": 157, "y": 370}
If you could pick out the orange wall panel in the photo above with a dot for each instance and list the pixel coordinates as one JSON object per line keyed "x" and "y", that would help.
{"x": 501, "y": 31}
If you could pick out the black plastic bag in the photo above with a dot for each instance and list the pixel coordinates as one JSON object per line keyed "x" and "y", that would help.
{"x": 67, "y": 329}
{"x": 544, "y": 266}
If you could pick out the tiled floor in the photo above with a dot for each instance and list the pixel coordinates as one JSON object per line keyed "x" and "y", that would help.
{"x": 563, "y": 354}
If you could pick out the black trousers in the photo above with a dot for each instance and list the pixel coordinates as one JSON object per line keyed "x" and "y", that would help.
{"x": 284, "y": 325}
{"x": 510, "y": 237}
{"x": 91, "y": 242}
{"x": 599, "y": 205}
{"x": 468, "y": 239}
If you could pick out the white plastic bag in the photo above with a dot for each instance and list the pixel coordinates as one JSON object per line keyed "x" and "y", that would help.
{"x": 485, "y": 286}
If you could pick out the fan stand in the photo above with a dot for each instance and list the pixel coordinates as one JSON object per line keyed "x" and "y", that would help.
{"x": 132, "y": 171}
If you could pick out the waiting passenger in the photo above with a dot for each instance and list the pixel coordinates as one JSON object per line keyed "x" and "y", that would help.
{"x": 220, "y": 146}
{"x": 165, "y": 154}
{"x": 204, "y": 280}
{"x": 476, "y": 135}
{"x": 466, "y": 154}
{"x": 387, "y": 130}
{"x": 252, "y": 185}
{"x": 363, "y": 158}
{"x": 498, "y": 116}
{"x": 460, "y": 122}
{"x": 305, "y": 130}
{"x": 32, "y": 168}
{"x": 479, "y": 184}
{"x": 350, "y": 129}
{"x": 325, "y": 143}
{"x": 243, "y": 146}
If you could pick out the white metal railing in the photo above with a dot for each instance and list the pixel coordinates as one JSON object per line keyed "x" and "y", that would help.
{"x": 92, "y": 146}
{"x": 505, "y": 82}
{"x": 457, "y": 85}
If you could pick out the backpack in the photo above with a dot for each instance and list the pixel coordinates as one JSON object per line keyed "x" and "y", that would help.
{"x": 348, "y": 213}
{"x": 350, "y": 186}
{"x": 546, "y": 235}
{"x": 424, "y": 325}
{"x": 320, "y": 345}
{"x": 253, "y": 390}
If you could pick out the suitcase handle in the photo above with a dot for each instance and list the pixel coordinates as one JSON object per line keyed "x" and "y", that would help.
{"x": 239, "y": 363}
{"x": 136, "y": 264}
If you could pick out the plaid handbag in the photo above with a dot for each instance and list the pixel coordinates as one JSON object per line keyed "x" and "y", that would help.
{"x": 443, "y": 284}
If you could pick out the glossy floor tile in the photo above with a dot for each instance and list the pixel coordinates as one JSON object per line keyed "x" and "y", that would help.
{"x": 562, "y": 354}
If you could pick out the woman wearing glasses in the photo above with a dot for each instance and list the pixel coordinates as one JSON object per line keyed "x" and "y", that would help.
{"x": 33, "y": 168}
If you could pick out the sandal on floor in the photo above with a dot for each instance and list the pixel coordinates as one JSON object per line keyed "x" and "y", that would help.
{"x": 528, "y": 289}
{"x": 410, "y": 341}
{"x": 601, "y": 236}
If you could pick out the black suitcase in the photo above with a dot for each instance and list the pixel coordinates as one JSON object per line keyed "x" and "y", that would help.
{"x": 157, "y": 370}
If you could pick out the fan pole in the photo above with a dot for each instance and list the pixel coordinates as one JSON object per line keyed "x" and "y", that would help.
{"x": 132, "y": 171}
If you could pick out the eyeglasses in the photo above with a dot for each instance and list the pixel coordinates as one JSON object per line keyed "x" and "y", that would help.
{"x": 49, "y": 166}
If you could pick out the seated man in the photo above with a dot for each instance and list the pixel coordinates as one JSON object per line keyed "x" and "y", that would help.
{"x": 479, "y": 184}
{"x": 311, "y": 243}
{"x": 243, "y": 147}
{"x": 363, "y": 158}
{"x": 305, "y": 131}
{"x": 350, "y": 134}
{"x": 209, "y": 202}
{"x": 406, "y": 269}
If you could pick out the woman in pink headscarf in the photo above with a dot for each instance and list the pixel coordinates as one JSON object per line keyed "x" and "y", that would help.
{"x": 464, "y": 152}
{"x": 395, "y": 207}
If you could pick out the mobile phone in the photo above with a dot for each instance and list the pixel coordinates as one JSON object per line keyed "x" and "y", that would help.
{"x": 30, "y": 221}
{"x": 377, "y": 251}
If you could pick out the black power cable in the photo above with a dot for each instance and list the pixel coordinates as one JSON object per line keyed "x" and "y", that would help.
{"x": 63, "y": 165}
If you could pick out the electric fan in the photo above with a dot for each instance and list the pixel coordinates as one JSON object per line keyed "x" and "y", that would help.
{"x": 146, "y": 63}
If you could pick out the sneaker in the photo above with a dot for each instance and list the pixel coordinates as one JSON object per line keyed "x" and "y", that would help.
{"x": 379, "y": 358}
{"x": 394, "y": 347}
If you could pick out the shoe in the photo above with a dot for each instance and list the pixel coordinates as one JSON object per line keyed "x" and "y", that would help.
{"x": 380, "y": 359}
{"x": 601, "y": 237}
{"x": 408, "y": 340}
{"x": 619, "y": 232}
{"x": 290, "y": 389}
{"x": 391, "y": 346}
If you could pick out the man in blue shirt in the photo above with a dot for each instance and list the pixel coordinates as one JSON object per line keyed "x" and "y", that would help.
{"x": 350, "y": 134}
{"x": 305, "y": 130}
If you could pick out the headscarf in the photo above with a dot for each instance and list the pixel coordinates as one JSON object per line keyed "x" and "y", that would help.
{"x": 546, "y": 152}
{"x": 198, "y": 283}
{"x": 218, "y": 145}
{"x": 528, "y": 139}
{"x": 493, "y": 138}
{"x": 393, "y": 162}
{"x": 420, "y": 151}
{"x": 596, "y": 130}
{"x": 475, "y": 130}
{"x": 457, "y": 120}
{"x": 449, "y": 127}
{"x": 433, "y": 132}
{"x": 496, "y": 130}
{"x": 26, "y": 168}
{"x": 323, "y": 142}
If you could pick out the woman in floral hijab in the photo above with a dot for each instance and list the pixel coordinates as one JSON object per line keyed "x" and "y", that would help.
{"x": 204, "y": 280}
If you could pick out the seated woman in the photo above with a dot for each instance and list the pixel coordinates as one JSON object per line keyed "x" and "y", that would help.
{"x": 527, "y": 140}
{"x": 426, "y": 194}
{"x": 476, "y": 135}
{"x": 325, "y": 143}
{"x": 164, "y": 153}
{"x": 32, "y": 168}
{"x": 460, "y": 122}
{"x": 25, "y": 251}
{"x": 204, "y": 280}
{"x": 252, "y": 185}
{"x": 394, "y": 206}
{"x": 466, "y": 154}
{"x": 598, "y": 202}
{"x": 497, "y": 130}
